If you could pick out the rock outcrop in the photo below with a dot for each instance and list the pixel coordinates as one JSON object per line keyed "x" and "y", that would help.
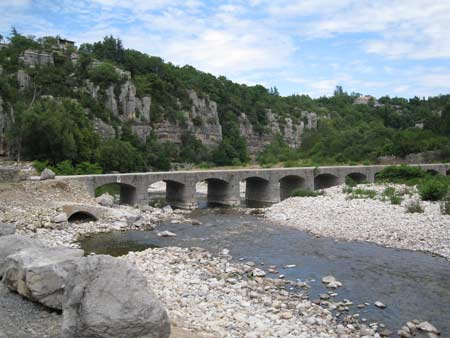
{"x": 290, "y": 130}
{"x": 23, "y": 80}
{"x": 105, "y": 130}
{"x": 108, "y": 297}
{"x": 39, "y": 274}
{"x": 33, "y": 58}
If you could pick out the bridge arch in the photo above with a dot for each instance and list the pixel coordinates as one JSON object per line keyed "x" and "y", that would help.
{"x": 433, "y": 172}
{"x": 323, "y": 181}
{"x": 290, "y": 183}
{"x": 127, "y": 192}
{"x": 356, "y": 177}
{"x": 81, "y": 216}
{"x": 447, "y": 172}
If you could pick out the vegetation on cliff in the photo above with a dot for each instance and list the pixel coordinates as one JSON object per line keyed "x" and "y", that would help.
{"x": 51, "y": 120}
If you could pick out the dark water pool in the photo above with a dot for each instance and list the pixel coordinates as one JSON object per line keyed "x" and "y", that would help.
{"x": 413, "y": 285}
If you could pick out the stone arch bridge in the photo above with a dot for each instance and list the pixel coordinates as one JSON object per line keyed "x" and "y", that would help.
{"x": 262, "y": 185}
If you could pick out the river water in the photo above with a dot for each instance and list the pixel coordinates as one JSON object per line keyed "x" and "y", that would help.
{"x": 413, "y": 285}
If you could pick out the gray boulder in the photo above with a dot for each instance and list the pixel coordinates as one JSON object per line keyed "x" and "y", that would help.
{"x": 60, "y": 218}
{"x": 47, "y": 174}
{"x": 109, "y": 297}
{"x": 105, "y": 199}
{"x": 39, "y": 273}
{"x": 12, "y": 244}
{"x": 7, "y": 229}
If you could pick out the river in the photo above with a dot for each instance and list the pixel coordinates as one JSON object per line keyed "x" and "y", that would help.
{"x": 413, "y": 285}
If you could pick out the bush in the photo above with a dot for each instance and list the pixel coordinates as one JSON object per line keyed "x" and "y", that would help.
{"x": 414, "y": 206}
{"x": 396, "y": 200}
{"x": 433, "y": 189}
{"x": 401, "y": 174}
{"x": 350, "y": 182}
{"x": 117, "y": 155}
{"x": 67, "y": 168}
{"x": 347, "y": 189}
{"x": 306, "y": 193}
{"x": 40, "y": 165}
{"x": 104, "y": 74}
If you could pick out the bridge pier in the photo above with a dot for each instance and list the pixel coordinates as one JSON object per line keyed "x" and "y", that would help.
{"x": 259, "y": 190}
{"x": 181, "y": 195}
{"x": 223, "y": 193}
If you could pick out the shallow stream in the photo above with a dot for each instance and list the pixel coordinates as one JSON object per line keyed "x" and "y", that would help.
{"x": 413, "y": 285}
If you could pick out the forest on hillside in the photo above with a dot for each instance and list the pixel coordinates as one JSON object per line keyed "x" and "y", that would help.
{"x": 60, "y": 133}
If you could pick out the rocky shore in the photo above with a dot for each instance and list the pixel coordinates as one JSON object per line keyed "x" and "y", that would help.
{"x": 205, "y": 295}
{"x": 339, "y": 215}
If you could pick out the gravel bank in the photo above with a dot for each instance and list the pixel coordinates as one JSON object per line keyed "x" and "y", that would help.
{"x": 335, "y": 215}
{"x": 213, "y": 295}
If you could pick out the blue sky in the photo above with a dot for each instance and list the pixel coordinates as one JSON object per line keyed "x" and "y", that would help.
{"x": 378, "y": 47}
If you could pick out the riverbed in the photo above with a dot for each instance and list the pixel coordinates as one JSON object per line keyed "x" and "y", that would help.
{"x": 413, "y": 285}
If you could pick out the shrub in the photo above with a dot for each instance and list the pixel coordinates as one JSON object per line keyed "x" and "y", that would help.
{"x": 85, "y": 168}
{"x": 396, "y": 200}
{"x": 40, "y": 165}
{"x": 350, "y": 182}
{"x": 401, "y": 174}
{"x": 104, "y": 74}
{"x": 389, "y": 191}
{"x": 433, "y": 189}
{"x": 306, "y": 193}
{"x": 347, "y": 189}
{"x": 414, "y": 206}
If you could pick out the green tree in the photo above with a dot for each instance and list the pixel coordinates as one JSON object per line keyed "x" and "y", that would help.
{"x": 121, "y": 156}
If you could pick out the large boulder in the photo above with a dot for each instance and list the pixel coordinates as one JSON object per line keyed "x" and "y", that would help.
{"x": 105, "y": 200}
{"x": 39, "y": 274}
{"x": 47, "y": 174}
{"x": 7, "y": 229}
{"x": 109, "y": 297}
{"x": 12, "y": 244}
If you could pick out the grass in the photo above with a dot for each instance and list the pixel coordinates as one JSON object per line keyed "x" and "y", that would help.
{"x": 414, "y": 206}
{"x": 306, "y": 193}
{"x": 359, "y": 193}
{"x": 394, "y": 196}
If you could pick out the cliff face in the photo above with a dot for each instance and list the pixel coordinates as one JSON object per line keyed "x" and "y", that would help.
{"x": 290, "y": 131}
{"x": 202, "y": 119}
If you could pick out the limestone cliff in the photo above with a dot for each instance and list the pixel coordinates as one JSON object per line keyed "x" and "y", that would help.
{"x": 33, "y": 58}
{"x": 287, "y": 128}
{"x": 124, "y": 103}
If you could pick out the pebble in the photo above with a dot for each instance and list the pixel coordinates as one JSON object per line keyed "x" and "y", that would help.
{"x": 427, "y": 327}
{"x": 166, "y": 234}
{"x": 380, "y": 305}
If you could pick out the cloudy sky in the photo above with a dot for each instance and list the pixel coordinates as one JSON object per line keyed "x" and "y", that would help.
{"x": 378, "y": 47}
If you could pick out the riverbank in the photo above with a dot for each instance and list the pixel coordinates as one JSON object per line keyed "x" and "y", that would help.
{"x": 336, "y": 214}
{"x": 206, "y": 295}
